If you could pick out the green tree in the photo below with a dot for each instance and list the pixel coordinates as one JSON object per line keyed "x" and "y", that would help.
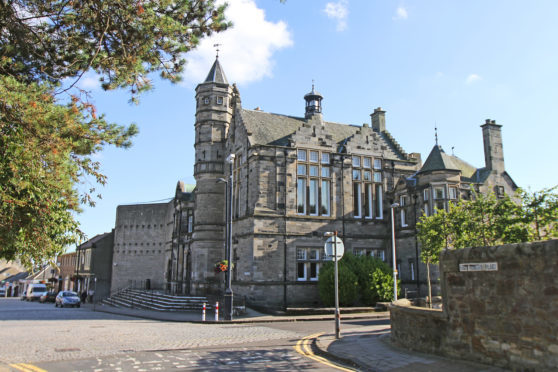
{"x": 433, "y": 235}
{"x": 49, "y": 129}
{"x": 540, "y": 212}
{"x": 485, "y": 221}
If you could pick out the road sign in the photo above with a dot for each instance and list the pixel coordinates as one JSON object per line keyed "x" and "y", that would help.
{"x": 329, "y": 247}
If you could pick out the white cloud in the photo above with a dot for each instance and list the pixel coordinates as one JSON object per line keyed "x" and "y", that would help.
{"x": 89, "y": 82}
{"x": 246, "y": 49}
{"x": 401, "y": 13}
{"x": 472, "y": 78}
{"x": 338, "y": 11}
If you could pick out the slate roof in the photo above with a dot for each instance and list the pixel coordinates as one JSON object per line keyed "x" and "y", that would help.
{"x": 93, "y": 240}
{"x": 216, "y": 74}
{"x": 439, "y": 160}
{"x": 276, "y": 129}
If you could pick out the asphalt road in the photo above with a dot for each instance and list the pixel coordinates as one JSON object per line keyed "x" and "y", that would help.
{"x": 41, "y": 337}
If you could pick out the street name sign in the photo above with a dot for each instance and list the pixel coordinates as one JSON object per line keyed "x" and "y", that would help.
{"x": 482, "y": 266}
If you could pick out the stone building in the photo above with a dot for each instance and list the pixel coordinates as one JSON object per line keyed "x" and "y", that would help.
{"x": 93, "y": 269}
{"x": 293, "y": 179}
{"x": 142, "y": 238}
{"x": 67, "y": 265}
{"x": 443, "y": 179}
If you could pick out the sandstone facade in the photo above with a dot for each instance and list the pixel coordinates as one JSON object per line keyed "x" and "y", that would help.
{"x": 293, "y": 179}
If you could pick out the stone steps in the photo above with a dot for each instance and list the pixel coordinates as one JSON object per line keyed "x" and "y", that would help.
{"x": 152, "y": 300}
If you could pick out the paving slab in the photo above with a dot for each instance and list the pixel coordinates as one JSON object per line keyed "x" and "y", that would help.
{"x": 369, "y": 349}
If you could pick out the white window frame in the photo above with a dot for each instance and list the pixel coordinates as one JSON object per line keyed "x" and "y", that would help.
{"x": 380, "y": 201}
{"x": 316, "y": 190}
{"x": 452, "y": 192}
{"x": 358, "y": 212}
{"x": 300, "y": 197}
{"x": 436, "y": 188}
{"x": 316, "y": 158}
{"x": 368, "y": 188}
{"x": 403, "y": 212}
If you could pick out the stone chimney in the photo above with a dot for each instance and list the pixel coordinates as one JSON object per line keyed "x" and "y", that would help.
{"x": 378, "y": 120}
{"x": 493, "y": 147}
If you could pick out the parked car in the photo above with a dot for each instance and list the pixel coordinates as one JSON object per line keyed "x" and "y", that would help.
{"x": 67, "y": 298}
{"x": 48, "y": 297}
{"x": 35, "y": 291}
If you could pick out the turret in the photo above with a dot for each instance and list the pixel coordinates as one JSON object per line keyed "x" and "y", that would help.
{"x": 313, "y": 103}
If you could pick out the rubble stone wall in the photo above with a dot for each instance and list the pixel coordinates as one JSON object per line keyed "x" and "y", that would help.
{"x": 506, "y": 317}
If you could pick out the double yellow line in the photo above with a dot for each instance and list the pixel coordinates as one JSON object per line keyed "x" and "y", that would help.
{"x": 303, "y": 347}
{"x": 24, "y": 367}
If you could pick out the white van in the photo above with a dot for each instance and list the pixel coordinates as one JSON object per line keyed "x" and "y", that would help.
{"x": 35, "y": 291}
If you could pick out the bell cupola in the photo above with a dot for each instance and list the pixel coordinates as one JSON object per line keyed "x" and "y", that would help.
{"x": 313, "y": 103}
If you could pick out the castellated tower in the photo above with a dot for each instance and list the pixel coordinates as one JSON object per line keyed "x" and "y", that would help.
{"x": 214, "y": 113}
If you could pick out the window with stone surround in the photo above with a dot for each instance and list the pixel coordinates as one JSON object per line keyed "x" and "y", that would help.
{"x": 403, "y": 210}
{"x": 367, "y": 188}
{"x": 308, "y": 263}
{"x": 372, "y": 252}
{"x": 313, "y": 183}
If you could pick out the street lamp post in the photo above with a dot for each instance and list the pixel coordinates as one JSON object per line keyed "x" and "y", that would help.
{"x": 228, "y": 237}
{"x": 393, "y": 206}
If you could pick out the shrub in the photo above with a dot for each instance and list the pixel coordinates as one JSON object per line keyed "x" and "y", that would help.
{"x": 348, "y": 285}
{"x": 365, "y": 280}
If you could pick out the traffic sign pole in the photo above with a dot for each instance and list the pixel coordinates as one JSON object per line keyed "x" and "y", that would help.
{"x": 337, "y": 315}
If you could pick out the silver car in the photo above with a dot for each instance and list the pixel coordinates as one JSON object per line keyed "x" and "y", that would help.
{"x": 67, "y": 298}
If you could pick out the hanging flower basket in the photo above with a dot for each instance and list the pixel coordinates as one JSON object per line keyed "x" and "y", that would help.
{"x": 221, "y": 266}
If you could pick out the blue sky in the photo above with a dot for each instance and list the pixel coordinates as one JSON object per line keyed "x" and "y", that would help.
{"x": 452, "y": 64}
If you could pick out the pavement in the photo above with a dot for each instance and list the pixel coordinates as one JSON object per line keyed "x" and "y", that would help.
{"x": 365, "y": 348}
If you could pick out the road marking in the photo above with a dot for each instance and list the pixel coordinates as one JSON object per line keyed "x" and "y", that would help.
{"x": 303, "y": 347}
{"x": 27, "y": 367}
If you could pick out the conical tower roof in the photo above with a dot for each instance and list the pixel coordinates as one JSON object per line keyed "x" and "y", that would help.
{"x": 216, "y": 74}
{"x": 439, "y": 160}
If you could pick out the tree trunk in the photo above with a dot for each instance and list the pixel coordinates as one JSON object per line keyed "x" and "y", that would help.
{"x": 429, "y": 285}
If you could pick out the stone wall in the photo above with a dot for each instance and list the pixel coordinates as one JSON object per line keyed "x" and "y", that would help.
{"x": 507, "y": 318}
{"x": 142, "y": 235}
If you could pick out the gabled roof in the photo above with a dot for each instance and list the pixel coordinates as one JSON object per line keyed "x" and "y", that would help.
{"x": 90, "y": 243}
{"x": 275, "y": 129}
{"x": 216, "y": 74}
{"x": 439, "y": 160}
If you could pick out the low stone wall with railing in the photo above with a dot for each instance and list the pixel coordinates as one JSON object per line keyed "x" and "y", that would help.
{"x": 500, "y": 307}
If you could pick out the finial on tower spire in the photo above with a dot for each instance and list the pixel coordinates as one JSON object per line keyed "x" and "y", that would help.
{"x": 216, "y": 46}
{"x": 436, "y": 133}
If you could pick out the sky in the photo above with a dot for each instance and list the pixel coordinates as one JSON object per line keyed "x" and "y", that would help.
{"x": 428, "y": 63}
